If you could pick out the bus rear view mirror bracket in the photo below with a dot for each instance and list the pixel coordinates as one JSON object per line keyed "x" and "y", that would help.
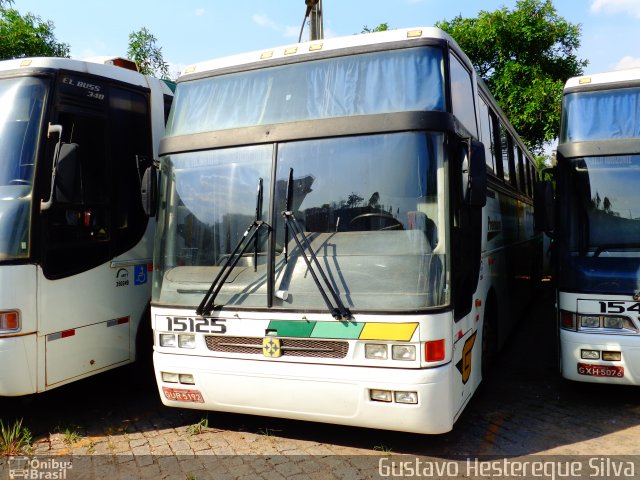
{"x": 45, "y": 205}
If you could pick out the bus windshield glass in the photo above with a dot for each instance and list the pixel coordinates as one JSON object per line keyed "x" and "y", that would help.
{"x": 607, "y": 205}
{"x": 411, "y": 79}
{"x": 21, "y": 110}
{"x": 601, "y": 115}
{"x": 372, "y": 209}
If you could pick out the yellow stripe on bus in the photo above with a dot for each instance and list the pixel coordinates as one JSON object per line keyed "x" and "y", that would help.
{"x": 388, "y": 331}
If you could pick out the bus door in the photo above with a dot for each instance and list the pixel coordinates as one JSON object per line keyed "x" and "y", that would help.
{"x": 468, "y": 197}
{"x": 93, "y": 287}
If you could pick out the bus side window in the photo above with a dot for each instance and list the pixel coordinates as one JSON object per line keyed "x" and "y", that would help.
{"x": 462, "y": 99}
{"x": 486, "y": 134}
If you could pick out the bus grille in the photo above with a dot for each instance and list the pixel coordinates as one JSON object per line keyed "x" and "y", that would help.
{"x": 291, "y": 347}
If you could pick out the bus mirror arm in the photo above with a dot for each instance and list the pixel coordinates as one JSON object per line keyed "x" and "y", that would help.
{"x": 45, "y": 205}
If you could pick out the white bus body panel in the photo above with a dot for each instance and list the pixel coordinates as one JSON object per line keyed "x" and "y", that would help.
{"x": 102, "y": 307}
{"x": 72, "y": 327}
{"x": 18, "y": 353}
{"x": 571, "y": 344}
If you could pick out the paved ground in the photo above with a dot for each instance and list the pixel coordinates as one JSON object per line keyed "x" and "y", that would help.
{"x": 113, "y": 427}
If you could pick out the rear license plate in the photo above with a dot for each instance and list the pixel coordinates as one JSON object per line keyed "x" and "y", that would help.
{"x": 182, "y": 395}
{"x": 610, "y": 371}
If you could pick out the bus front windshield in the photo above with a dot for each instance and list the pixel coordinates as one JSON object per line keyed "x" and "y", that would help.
{"x": 21, "y": 110}
{"x": 601, "y": 243}
{"x": 607, "y": 201}
{"x": 371, "y": 207}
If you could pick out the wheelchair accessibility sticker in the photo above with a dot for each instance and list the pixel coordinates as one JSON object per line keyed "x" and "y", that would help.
{"x": 139, "y": 274}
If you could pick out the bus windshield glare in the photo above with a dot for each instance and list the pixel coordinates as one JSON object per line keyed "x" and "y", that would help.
{"x": 371, "y": 207}
{"x": 21, "y": 110}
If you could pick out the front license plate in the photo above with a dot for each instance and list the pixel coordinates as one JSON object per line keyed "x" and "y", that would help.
{"x": 610, "y": 371}
{"x": 182, "y": 395}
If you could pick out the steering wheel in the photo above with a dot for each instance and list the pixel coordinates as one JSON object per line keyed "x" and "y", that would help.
{"x": 19, "y": 181}
{"x": 394, "y": 224}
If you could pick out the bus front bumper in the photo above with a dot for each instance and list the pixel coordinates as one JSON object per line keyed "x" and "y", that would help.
{"x": 579, "y": 369}
{"x": 17, "y": 365}
{"x": 335, "y": 394}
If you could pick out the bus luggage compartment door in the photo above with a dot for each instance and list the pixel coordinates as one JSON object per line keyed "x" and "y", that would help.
{"x": 79, "y": 351}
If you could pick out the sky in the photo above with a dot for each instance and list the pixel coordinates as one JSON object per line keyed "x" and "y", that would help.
{"x": 190, "y": 31}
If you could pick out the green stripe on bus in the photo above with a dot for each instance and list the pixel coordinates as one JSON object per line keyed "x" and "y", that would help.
{"x": 346, "y": 330}
{"x": 287, "y": 328}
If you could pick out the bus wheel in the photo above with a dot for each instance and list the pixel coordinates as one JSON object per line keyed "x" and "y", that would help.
{"x": 489, "y": 335}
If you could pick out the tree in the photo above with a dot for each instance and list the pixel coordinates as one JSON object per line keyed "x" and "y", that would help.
{"x": 27, "y": 36}
{"x": 383, "y": 27}
{"x": 525, "y": 56}
{"x": 147, "y": 55}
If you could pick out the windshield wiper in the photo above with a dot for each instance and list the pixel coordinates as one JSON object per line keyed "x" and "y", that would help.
{"x": 338, "y": 312}
{"x": 250, "y": 233}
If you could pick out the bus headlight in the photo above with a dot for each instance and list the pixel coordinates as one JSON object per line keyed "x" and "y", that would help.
{"x": 405, "y": 397}
{"x": 589, "y": 321}
{"x": 403, "y": 352}
{"x": 375, "y": 351}
{"x": 169, "y": 377}
{"x": 613, "y": 322}
{"x": 612, "y": 356}
{"x": 380, "y": 395}
{"x": 167, "y": 340}
{"x": 186, "y": 340}
{"x": 186, "y": 378}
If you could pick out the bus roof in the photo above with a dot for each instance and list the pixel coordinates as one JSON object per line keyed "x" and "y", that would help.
{"x": 97, "y": 66}
{"x": 324, "y": 45}
{"x": 616, "y": 76}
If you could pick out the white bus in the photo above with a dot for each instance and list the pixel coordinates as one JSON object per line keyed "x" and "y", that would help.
{"x": 75, "y": 243}
{"x": 597, "y": 233}
{"x": 324, "y": 251}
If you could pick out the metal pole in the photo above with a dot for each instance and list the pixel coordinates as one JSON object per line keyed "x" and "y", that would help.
{"x": 315, "y": 19}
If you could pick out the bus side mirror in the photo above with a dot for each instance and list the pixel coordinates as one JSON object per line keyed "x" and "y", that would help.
{"x": 543, "y": 212}
{"x": 476, "y": 178}
{"x": 149, "y": 191}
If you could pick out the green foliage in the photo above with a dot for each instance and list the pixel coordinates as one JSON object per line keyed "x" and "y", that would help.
{"x": 198, "y": 428}
{"x": 14, "y": 439}
{"x": 384, "y": 449}
{"x": 27, "y": 35}
{"x": 71, "y": 435}
{"x": 147, "y": 55}
{"x": 383, "y": 27}
{"x": 525, "y": 55}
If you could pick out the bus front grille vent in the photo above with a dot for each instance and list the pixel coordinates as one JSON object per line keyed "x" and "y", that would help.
{"x": 291, "y": 347}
